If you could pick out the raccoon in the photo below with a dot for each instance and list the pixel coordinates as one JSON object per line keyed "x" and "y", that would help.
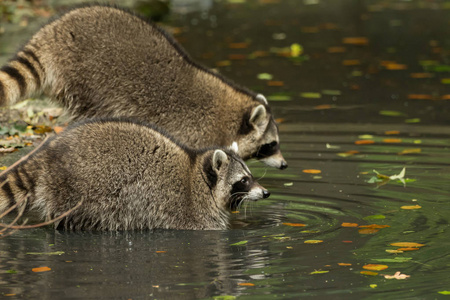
{"x": 103, "y": 61}
{"x": 129, "y": 175}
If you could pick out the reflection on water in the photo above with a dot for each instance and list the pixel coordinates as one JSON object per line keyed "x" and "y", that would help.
{"x": 367, "y": 91}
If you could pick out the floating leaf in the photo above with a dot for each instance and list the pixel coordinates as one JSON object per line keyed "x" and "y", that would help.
{"x": 410, "y": 151}
{"x": 365, "y": 136}
{"x": 395, "y": 66}
{"x": 407, "y": 245}
{"x": 319, "y": 272}
{"x": 421, "y": 75}
{"x": 392, "y": 132}
{"x": 411, "y": 207}
{"x": 351, "y": 62}
{"x": 444, "y": 292}
{"x": 407, "y": 249}
{"x": 311, "y": 95}
{"x": 289, "y": 184}
{"x": 224, "y": 297}
{"x": 360, "y": 41}
{"x": 294, "y": 224}
{"x": 368, "y": 231}
{"x": 374, "y": 226}
{"x": 331, "y": 92}
{"x": 265, "y": 76}
{"x": 278, "y": 97}
{"x": 239, "y": 243}
{"x": 324, "y": 106}
{"x": 349, "y": 225}
{"x": 46, "y": 253}
{"x": 275, "y": 83}
{"x": 370, "y": 273}
{"x": 312, "y": 171}
{"x": 40, "y": 269}
{"x": 344, "y": 264}
{"x": 313, "y": 241}
{"x": 420, "y": 97}
{"x": 296, "y": 50}
{"x": 394, "y": 251}
{"x": 375, "y": 267}
{"x": 11, "y": 271}
{"x": 392, "y": 141}
{"x": 373, "y": 286}
{"x": 246, "y": 284}
{"x": 348, "y": 153}
{"x": 364, "y": 142}
{"x": 393, "y": 260}
{"x": 413, "y": 120}
{"x": 397, "y": 275}
{"x": 160, "y": 251}
{"x": 391, "y": 113}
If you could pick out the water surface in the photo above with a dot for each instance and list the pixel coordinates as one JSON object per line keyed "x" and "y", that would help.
{"x": 368, "y": 90}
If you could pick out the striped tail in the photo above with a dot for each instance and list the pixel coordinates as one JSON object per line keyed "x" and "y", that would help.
{"x": 17, "y": 186}
{"x": 21, "y": 77}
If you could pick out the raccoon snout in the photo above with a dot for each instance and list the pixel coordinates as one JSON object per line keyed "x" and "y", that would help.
{"x": 283, "y": 165}
{"x": 266, "y": 194}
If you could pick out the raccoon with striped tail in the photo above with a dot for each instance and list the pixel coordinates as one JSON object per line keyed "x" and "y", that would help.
{"x": 102, "y": 61}
{"x": 129, "y": 175}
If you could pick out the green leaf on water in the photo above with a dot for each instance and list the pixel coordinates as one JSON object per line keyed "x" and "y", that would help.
{"x": 311, "y": 95}
{"x": 11, "y": 271}
{"x": 445, "y": 80}
{"x": 239, "y": 243}
{"x": 46, "y": 253}
{"x": 393, "y": 260}
{"x": 374, "y": 217}
{"x": 265, "y": 76}
{"x": 319, "y": 272}
{"x": 279, "y": 97}
{"x": 391, "y": 113}
{"x": 414, "y": 120}
{"x": 375, "y": 179}
{"x": 444, "y": 292}
{"x": 224, "y": 297}
{"x": 331, "y": 92}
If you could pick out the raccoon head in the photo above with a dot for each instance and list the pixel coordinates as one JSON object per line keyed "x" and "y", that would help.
{"x": 233, "y": 180}
{"x": 259, "y": 137}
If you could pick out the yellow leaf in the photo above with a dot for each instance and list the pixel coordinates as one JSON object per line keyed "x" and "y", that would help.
{"x": 392, "y": 140}
{"x": 407, "y": 245}
{"x": 344, "y": 264}
{"x": 246, "y": 284}
{"x": 364, "y": 142}
{"x": 411, "y": 207}
{"x": 312, "y": 171}
{"x": 3, "y": 168}
{"x": 375, "y": 267}
{"x": 294, "y": 224}
{"x": 349, "y": 225}
{"x": 313, "y": 241}
{"x": 407, "y": 249}
{"x": 370, "y": 273}
{"x": 410, "y": 151}
{"x": 41, "y": 269}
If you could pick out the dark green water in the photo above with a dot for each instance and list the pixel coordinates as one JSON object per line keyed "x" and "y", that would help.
{"x": 333, "y": 94}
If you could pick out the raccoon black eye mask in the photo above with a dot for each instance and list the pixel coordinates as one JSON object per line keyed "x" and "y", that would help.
{"x": 126, "y": 66}
{"x": 125, "y": 175}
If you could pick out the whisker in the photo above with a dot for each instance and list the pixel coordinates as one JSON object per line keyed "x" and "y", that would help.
{"x": 265, "y": 172}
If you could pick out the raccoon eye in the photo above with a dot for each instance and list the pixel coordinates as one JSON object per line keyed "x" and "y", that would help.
{"x": 244, "y": 180}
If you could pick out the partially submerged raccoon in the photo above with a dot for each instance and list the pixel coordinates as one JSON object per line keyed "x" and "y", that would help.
{"x": 129, "y": 176}
{"x": 102, "y": 61}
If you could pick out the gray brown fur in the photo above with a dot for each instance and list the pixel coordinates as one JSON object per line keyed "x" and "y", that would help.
{"x": 101, "y": 61}
{"x": 129, "y": 176}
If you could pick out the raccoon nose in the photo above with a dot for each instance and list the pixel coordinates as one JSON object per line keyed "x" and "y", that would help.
{"x": 284, "y": 165}
{"x": 266, "y": 194}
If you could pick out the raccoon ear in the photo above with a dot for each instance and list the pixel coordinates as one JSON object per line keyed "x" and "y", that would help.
{"x": 219, "y": 158}
{"x": 258, "y": 115}
{"x": 234, "y": 147}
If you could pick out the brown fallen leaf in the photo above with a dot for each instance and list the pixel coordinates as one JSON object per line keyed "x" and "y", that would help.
{"x": 397, "y": 275}
{"x": 349, "y": 225}
{"x": 360, "y": 41}
{"x": 364, "y": 142}
{"x": 374, "y": 226}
